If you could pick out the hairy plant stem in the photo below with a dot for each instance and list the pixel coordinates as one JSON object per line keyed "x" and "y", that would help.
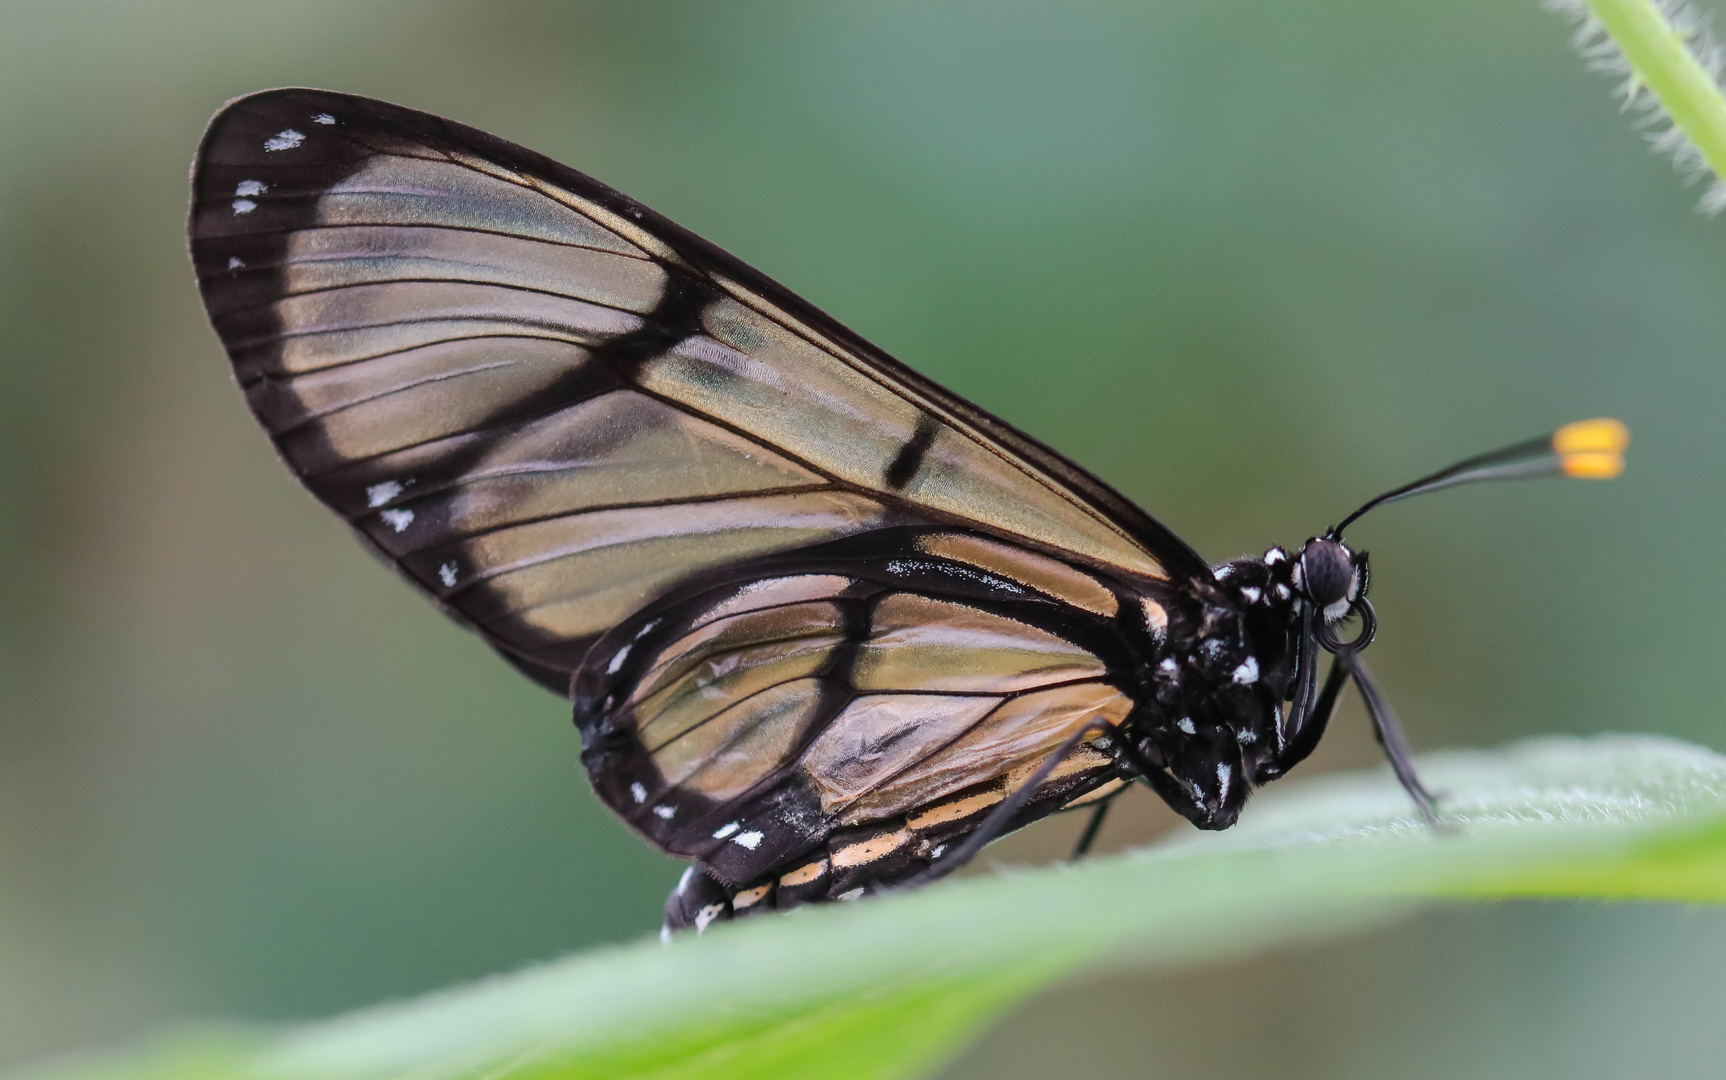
{"x": 1660, "y": 43}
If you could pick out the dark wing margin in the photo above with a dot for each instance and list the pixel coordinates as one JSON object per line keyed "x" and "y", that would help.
{"x": 546, "y": 405}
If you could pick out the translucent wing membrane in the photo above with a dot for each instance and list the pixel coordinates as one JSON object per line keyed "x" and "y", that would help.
{"x": 863, "y": 692}
{"x": 550, "y": 407}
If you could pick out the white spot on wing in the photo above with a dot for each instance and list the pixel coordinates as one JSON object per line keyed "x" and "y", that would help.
{"x": 1225, "y": 773}
{"x": 284, "y": 140}
{"x": 617, "y": 661}
{"x": 251, "y": 187}
{"x": 665, "y": 813}
{"x": 638, "y": 793}
{"x": 244, "y": 206}
{"x": 1248, "y": 672}
{"x": 235, "y": 262}
{"x": 1186, "y": 725}
{"x": 1156, "y": 619}
{"x": 750, "y": 840}
{"x": 378, "y": 494}
{"x": 726, "y": 830}
{"x": 446, "y": 574}
{"x": 323, "y": 118}
{"x": 397, "y": 519}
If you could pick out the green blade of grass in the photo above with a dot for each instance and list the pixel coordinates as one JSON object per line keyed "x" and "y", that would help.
{"x": 892, "y": 986}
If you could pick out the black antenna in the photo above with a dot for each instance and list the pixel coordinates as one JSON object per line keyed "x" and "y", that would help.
{"x": 1586, "y": 449}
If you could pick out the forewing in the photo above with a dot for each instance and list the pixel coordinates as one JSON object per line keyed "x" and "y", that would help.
{"x": 547, "y": 405}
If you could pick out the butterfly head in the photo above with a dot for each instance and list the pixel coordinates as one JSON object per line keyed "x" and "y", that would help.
{"x": 1330, "y": 576}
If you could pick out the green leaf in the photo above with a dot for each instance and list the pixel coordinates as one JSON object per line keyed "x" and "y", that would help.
{"x": 892, "y": 986}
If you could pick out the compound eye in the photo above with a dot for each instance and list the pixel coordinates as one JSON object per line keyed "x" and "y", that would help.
{"x": 1327, "y": 571}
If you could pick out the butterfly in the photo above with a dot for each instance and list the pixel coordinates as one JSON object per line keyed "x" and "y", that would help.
{"x": 827, "y": 627}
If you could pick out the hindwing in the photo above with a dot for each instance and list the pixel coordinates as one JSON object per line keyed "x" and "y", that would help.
{"x": 889, "y": 689}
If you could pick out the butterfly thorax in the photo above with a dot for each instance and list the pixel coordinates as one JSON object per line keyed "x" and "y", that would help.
{"x": 1209, "y": 728}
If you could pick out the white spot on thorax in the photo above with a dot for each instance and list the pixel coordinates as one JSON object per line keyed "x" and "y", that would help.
{"x": 244, "y": 206}
{"x": 638, "y": 793}
{"x": 1186, "y": 725}
{"x": 397, "y": 519}
{"x": 666, "y": 813}
{"x": 1248, "y": 672}
{"x": 1168, "y": 665}
{"x": 323, "y": 118}
{"x": 1225, "y": 773}
{"x": 251, "y": 187}
{"x": 235, "y": 263}
{"x": 750, "y": 840}
{"x": 1252, "y": 594}
{"x": 706, "y": 915}
{"x": 726, "y": 830}
{"x": 378, "y": 494}
{"x": 284, "y": 140}
{"x": 1282, "y": 591}
{"x": 446, "y": 574}
{"x": 1275, "y": 555}
{"x": 617, "y": 661}
{"x": 1247, "y": 737}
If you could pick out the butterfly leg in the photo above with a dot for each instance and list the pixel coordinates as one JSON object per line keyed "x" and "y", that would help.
{"x": 1385, "y": 727}
{"x": 1389, "y": 731}
{"x": 999, "y": 818}
{"x": 1311, "y": 730}
{"x": 1092, "y": 828}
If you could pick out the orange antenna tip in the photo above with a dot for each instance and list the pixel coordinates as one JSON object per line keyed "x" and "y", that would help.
{"x": 1592, "y": 465}
{"x": 1600, "y": 436}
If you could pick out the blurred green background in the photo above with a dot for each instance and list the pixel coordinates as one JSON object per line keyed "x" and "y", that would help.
{"x": 1252, "y": 262}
